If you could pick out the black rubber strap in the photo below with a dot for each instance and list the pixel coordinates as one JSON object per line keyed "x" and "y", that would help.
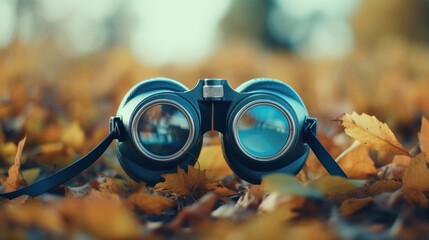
{"x": 66, "y": 173}
{"x": 321, "y": 153}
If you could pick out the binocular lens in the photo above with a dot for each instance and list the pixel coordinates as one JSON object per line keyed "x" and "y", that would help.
{"x": 164, "y": 130}
{"x": 263, "y": 131}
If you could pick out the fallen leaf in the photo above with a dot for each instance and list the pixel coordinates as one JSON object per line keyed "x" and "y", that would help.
{"x": 150, "y": 204}
{"x": 383, "y": 186}
{"x": 416, "y": 180}
{"x": 288, "y": 184}
{"x": 356, "y": 162}
{"x": 36, "y": 214}
{"x": 108, "y": 219}
{"x": 211, "y": 158}
{"x": 13, "y": 181}
{"x": 219, "y": 189}
{"x": 371, "y": 132}
{"x": 353, "y": 205}
{"x": 196, "y": 214}
{"x": 333, "y": 184}
{"x": 73, "y": 136}
{"x": 416, "y": 197}
{"x": 8, "y": 152}
{"x": 30, "y": 175}
{"x": 252, "y": 198}
{"x": 111, "y": 185}
{"x": 397, "y": 167}
{"x": 182, "y": 183}
{"x": 424, "y": 136}
{"x": 192, "y": 183}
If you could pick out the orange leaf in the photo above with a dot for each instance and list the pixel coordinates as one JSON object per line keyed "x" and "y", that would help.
{"x": 194, "y": 182}
{"x": 182, "y": 183}
{"x": 383, "y": 186}
{"x": 108, "y": 219}
{"x": 253, "y": 197}
{"x": 416, "y": 175}
{"x": 196, "y": 213}
{"x": 149, "y": 203}
{"x": 13, "y": 181}
{"x": 416, "y": 180}
{"x": 35, "y": 214}
{"x": 424, "y": 136}
{"x": 220, "y": 190}
{"x": 371, "y": 132}
{"x": 110, "y": 186}
{"x": 353, "y": 205}
{"x": 356, "y": 162}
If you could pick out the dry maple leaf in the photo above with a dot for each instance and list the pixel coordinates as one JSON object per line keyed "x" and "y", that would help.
{"x": 356, "y": 162}
{"x": 192, "y": 183}
{"x": 151, "y": 204}
{"x": 424, "y": 136}
{"x": 182, "y": 183}
{"x": 371, "y": 132}
{"x": 13, "y": 181}
{"x": 416, "y": 180}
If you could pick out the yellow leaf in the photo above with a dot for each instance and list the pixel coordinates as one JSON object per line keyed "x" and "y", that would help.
{"x": 149, "y": 203}
{"x": 108, "y": 219}
{"x": 424, "y": 136}
{"x": 371, "y": 132}
{"x": 353, "y": 205}
{"x": 333, "y": 184}
{"x": 30, "y": 174}
{"x": 287, "y": 184}
{"x": 356, "y": 162}
{"x": 13, "y": 181}
{"x": 73, "y": 136}
{"x": 211, "y": 158}
{"x": 8, "y": 152}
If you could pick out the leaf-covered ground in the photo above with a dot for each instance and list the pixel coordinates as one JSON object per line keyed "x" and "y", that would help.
{"x": 54, "y": 109}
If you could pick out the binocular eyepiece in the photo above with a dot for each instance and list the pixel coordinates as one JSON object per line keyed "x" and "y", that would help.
{"x": 261, "y": 125}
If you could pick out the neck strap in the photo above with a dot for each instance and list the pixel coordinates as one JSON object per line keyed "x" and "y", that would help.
{"x": 66, "y": 173}
{"x": 324, "y": 157}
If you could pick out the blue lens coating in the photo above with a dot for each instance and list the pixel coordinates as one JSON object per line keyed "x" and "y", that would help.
{"x": 263, "y": 130}
{"x": 163, "y": 129}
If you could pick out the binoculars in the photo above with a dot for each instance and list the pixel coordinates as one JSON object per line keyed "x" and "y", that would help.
{"x": 264, "y": 128}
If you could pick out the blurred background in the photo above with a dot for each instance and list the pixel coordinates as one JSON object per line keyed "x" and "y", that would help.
{"x": 67, "y": 64}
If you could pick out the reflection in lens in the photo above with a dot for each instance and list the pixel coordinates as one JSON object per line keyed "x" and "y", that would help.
{"x": 163, "y": 130}
{"x": 263, "y": 130}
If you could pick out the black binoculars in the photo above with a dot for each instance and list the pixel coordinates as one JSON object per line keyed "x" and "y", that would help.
{"x": 263, "y": 124}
